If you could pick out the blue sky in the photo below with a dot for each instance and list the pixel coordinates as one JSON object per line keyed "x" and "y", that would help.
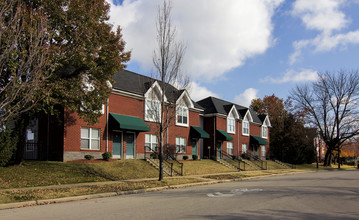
{"x": 238, "y": 50}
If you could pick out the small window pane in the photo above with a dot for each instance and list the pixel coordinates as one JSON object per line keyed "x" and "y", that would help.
{"x": 95, "y": 144}
{"x": 147, "y": 138}
{"x": 84, "y": 144}
{"x": 95, "y": 133}
{"x": 84, "y": 132}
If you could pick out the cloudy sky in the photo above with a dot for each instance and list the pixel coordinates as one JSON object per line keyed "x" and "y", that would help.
{"x": 238, "y": 50}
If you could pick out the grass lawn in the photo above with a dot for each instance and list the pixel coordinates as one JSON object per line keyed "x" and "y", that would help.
{"x": 16, "y": 195}
{"x": 42, "y": 173}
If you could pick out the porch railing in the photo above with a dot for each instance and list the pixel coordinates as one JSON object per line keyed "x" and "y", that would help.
{"x": 173, "y": 166}
{"x": 233, "y": 161}
{"x": 255, "y": 160}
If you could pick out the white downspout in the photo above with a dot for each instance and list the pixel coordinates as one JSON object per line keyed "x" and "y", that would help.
{"x": 107, "y": 117}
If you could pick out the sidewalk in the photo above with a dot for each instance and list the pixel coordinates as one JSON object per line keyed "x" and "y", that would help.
{"x": 102, "y": 195}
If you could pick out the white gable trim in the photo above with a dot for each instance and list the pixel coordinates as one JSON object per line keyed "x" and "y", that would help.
{"x": 185, "y": 96}
{"x": 248, "y": 115}
{"x": 266, "y": 122}
{"x": 235, "y": 112}
{"x": 156, "y": 86}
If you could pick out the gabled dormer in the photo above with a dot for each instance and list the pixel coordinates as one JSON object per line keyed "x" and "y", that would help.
{"x": 153, "y": 97}
{"x": 231, "y": 120}
{"x": 183, "y": 104}
{"x": 245, "y": 123}
{"x": 265, "y": 125}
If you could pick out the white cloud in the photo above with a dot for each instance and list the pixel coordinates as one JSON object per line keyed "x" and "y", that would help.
{"x": 246, "y": 97}
{"x": 325, "y": 17}
{"x": 220, "y": 35}
{"x": 322, "y": 15}
{"x": 293, "y": 76}
{"x": 198, "y": 92}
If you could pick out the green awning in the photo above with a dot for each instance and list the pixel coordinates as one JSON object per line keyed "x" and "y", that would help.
{"x": 258, "y": 140}
{"x": 222, "y": 135}
{"x": 197, "y": 132}
{"x": 126, "y": 122}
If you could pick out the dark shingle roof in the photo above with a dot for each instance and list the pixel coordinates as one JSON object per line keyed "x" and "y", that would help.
{"x": 214, "y": 105}
{"x": 139, "y": 84}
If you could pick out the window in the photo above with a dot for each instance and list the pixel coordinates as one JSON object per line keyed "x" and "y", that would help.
{"x": 244, "y": 148}
{"x": 180, "y": 145}
{"x": 90, "y": 138}
{"x": 153, "y": 110}
{"x": 151, "y": 143}
{"x": 230, "y": 148}
{"x": 263, "y": 151}
{"x": 182, "y": 116}
{"x": 264, "y": 131}
{"x": 231, "y": 128}
{"x": 245, "y": 128}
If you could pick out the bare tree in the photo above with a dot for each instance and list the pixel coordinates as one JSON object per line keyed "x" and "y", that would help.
{"x": 332, "y": 107}
{"x": 24, "y": 56}
{"x": 167, "y": 59}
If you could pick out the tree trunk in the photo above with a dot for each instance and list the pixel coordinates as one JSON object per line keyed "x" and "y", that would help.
{"x": 328, "y": 157}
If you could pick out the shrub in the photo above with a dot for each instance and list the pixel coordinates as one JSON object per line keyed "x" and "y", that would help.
{"x": 205, "y": 157}
{"x": 89, "y": 157}
{"x": 8, "y": 141}
{"x": 234, "y": 157}
{"x": 194, "y": 157}
{"x": 214, "y": 157}
{"x": 107, "y": 156}
{"x": 154, "y": 156}
{"x": 185, "y": 157}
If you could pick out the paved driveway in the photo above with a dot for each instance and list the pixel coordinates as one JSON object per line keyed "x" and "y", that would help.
{"x": 316, "y": 195}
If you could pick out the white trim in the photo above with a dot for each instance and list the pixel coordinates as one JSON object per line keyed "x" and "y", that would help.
{"x": 89, "y": 138}
{"x": 234, "y": 124}
{"x": 248, "y": 114}
{"x": 236, "y": 115}
{"x": 267, "y": 122}
{"x": 155, "y": 85}
{"x": 127, "y": 94}
{"x": 187, "y": 116}
{"x": 247, "y": 122}
{"x": 185, "y": 96}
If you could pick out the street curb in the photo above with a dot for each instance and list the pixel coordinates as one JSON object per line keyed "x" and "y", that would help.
{"x": 121, "y": 193}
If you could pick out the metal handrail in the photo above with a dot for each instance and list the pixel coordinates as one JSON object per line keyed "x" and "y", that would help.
{"x": 165, "y": 162}
{"x": 263, "y": 164}
{"x": 234, "y": 158}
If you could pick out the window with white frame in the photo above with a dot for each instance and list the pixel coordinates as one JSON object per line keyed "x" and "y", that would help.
{"x": 244, "y": 148}
{"x": 230, "y": 148}
{"x": 264, "y": 131}
{"x": 151, "y": 143}
{"x": 263, "y": 151}
{"x": 182, "y": 116}
{"x": 231, "y": 128}
{"x": 245, "y": 128}
{"x": 90, "y": 138}
{"x": 180, "y": 145}
{"x": 153, "y": 110}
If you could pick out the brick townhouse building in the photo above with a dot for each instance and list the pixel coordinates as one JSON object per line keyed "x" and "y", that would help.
{"x": 128, "y": 126}
{"x": 234, "y": 129}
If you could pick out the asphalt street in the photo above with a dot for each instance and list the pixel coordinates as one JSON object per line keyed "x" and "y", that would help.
{"x": 315, "y": 195}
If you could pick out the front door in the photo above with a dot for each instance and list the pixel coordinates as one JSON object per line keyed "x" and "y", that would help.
{"x": 219, "y": 150}
{"x": 194, "y": 147}
{"x": 117, "y": 145}
{"x": 130, "y": 145}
